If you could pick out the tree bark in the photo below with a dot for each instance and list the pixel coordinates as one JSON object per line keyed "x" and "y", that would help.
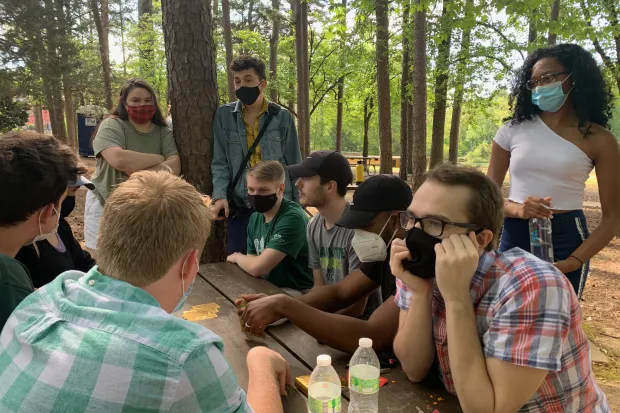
{"x": 188, "y": 36}
{"x": 301, "y": 54}
{"x": 102, "y": 25}
{"x": 122, "y": 21}
{"x": 38, "y": 118}
{"x": 419, "y": 95}
{"x": 229, "y": 48}
{"x": 340, "y": 103}
{"x": 145, "y": 7}
{"x": 368, "y": 105}
{"x": 273, "y": 50}
{"x": 147, "y": 57}
{"x": 383, "y": 86}
{"x": 554, "y": 16}
{"x": 404, "y": 95}
{"x": 459, "y": 88}
{"x": 250, "y": 15}
{"x": 441, "y": 86}
{"x": 532, "y": 32}
{"x": 70, "y": 112}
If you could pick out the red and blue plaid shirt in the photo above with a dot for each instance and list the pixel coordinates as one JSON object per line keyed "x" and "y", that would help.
{"x": 527, "y": 314}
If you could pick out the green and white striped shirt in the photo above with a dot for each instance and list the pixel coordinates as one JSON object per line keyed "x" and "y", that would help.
{"x": 91, "y": 343}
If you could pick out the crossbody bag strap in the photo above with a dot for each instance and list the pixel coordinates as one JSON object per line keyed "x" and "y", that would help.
{"x": 270, "y": 116}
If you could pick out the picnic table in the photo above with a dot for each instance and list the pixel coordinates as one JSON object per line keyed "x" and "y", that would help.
{"x": 222, "y": 283}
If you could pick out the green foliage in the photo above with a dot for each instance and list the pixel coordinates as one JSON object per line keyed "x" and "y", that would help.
{"x": 13, "y": 114}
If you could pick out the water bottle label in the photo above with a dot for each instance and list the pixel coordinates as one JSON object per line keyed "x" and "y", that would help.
{"x": 324, "y": 406}
{"x": 364, "y": 386}
{"x": 535, "y": 239}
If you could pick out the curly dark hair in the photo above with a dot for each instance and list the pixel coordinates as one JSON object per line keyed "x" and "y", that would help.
{"x": 245, "y": 62}
{"x": 591, "y": 97}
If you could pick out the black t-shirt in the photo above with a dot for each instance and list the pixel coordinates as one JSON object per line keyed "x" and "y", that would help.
{"x": 381, "y": 274}
{"x": 49, "y": 262}
{"x": 15, "y": 285}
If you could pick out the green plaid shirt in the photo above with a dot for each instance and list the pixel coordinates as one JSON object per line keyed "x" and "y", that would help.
{"x": 91, "y": 343}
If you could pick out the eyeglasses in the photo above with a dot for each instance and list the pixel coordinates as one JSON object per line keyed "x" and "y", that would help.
{"x": 544, "y": 80}
{"x": 431, "y": 225}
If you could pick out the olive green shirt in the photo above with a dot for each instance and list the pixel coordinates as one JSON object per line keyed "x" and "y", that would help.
{"x": 15, "y": 285}
{"x": 117, "y": 132}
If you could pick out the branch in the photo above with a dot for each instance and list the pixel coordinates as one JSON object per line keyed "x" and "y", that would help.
{"x": 329, "y": 89}
{"x": 597, "y": 45}
{"x": 502, "y": 35}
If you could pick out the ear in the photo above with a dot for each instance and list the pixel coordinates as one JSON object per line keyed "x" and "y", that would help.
{"x": 47, "y": 214}
{"x": 484, "y": 238}
{"x": 264, "y": 82}
{"x": 189, "y": 266}
{"x": 281, "y": 188}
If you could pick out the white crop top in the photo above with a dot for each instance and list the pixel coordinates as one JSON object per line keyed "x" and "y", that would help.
{"x": 544, "y": 164}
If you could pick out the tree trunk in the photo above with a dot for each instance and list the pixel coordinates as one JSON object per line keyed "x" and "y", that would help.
{"x": 459, "y": 86}
{"x": 228, "y": 47}
{"x": 57, "y": 115}
{"x": 383, "y": 86}
{"x": 419, "y": 94}
{"x": 38, "y": 118}
{"x": 340, "y": 103}
{"x": 554, "y": 16}
{"x": 250, "y": 14}
{"x": 301, "y": 54}
{"x": 404, "y": 95}
{"x": 532, "y": 33}
{"x": 441, "y": 86}
{"x": 188, "y": 36}
{"x": 122, "y": 21}
{"x": 292, "y": 103}
{"x": 147, "y": 58}
{"x": 102, "y": 24}
{"x": 70, "y": 111}
{"x": 273, "y": 50}
{"x": 368, "y": 105}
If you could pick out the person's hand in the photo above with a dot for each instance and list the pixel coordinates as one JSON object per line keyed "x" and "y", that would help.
{"x": 218, "y": 206}
{"x": 398, "y": 253}
{"x": 232, "y": 258}
{"x": 457, "y": 261}
{"x": 247, "y": 298}
{"x": 262, "y": 312}
{"x": 568, "y": 265}
{"x": 535, "y": 207}
{"x": 275, "y": 362}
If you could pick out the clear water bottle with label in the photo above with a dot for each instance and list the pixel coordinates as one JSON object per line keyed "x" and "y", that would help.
{"x": 364, "y": 372}
{"x": 541, "y": 241}
{"x": 324, "y": 389}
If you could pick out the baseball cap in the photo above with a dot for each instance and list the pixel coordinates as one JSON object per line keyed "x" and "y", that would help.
{"x": 377, "y": 194}
{"x": 81, "y": 181}
{"x": 327, "y": 164}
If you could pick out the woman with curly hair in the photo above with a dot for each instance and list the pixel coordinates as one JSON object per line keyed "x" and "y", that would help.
{"x": 561, "y": 107}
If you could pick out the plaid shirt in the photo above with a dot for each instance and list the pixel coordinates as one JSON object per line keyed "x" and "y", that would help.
{"x": 527, "y": 314}
{"x": 91, "y": 343}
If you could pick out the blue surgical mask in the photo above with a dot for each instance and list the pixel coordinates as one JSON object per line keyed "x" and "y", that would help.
{"x": 181, "y": 302}
{"x": 550, "y": 98}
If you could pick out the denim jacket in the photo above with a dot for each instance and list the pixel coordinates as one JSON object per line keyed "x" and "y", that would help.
{"x": 230, "y": 146}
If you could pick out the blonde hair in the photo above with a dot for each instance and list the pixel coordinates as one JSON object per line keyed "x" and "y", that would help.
{"x": 148, "y": 223}
{"x": 268, "y": 171}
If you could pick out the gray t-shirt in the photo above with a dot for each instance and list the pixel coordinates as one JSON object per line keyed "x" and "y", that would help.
{"x": 330, "y": 251}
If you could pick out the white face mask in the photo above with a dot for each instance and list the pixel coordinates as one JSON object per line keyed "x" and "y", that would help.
{"x": 181, "y": 302}
{"x": 43, "y": 236}
{"x": 369, "y": 246}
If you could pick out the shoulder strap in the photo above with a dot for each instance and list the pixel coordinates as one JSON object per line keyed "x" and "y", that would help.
{"x": 272, "y": 110}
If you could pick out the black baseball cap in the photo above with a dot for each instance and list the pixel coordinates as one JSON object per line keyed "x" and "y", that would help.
{"x": 327, "y": 164}
{"x": 377, "y": 194}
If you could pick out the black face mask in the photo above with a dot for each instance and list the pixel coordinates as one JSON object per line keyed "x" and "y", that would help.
{"x": 248, "y": 95}
{"x": 263, "y": 203}
{"x": 67, "y": 207}
{"x": 421, "y": 246}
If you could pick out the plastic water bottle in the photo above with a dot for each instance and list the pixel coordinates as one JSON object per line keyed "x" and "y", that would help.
{"x": 364, "y": 372}
{"x": 324, "y": 389}
{"x": 541, "y": 241}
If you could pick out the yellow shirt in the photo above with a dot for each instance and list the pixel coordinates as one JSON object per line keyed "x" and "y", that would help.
{"x": 252, "y": 132}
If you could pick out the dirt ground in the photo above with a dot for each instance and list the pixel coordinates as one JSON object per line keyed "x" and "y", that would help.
{"x": 600, "y": 304}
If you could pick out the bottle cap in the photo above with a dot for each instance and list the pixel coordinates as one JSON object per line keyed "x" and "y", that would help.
{"x": 324, "y": 360}
{"x": 365, "y": 342}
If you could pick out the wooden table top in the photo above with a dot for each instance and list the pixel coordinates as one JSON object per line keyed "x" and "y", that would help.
{"x": 229, "y": 281}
